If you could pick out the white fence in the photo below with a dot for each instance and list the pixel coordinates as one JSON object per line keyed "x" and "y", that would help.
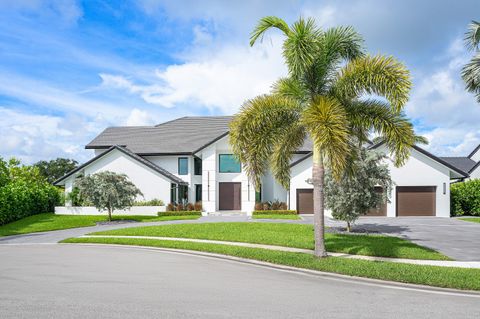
{"x": 90, "y": 210}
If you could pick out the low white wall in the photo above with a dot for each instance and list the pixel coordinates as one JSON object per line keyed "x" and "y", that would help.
{"x": 89, "y": 210}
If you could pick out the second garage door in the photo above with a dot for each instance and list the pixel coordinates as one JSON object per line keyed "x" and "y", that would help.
{"x": 416, "y": 200}
{"x": 230, "y": 196}
{"x": 305, "y": 201}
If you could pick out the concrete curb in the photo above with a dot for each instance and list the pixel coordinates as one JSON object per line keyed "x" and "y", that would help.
{"x": 439, "y": 263}
{"x": 301, "y": 271}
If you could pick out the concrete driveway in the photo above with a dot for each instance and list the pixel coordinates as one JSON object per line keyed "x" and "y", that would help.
{"x": 74, "y": 281}
{"x": 455, "y": 238}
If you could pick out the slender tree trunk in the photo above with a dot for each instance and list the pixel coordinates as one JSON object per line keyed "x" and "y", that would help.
{"x": 109, "y": 213}
{"x": 349, "y": 227}
{"x": 318, "y": 176}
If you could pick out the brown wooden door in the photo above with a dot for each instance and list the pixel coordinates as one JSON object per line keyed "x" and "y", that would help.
{"x": 230, "y": 196}
{"x": 305, "y": 201}
{"x": 416, "y": 200}
{"x": 381, "y": 210}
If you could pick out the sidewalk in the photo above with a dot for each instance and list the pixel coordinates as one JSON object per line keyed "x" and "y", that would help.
{"x": 441, "y": 263}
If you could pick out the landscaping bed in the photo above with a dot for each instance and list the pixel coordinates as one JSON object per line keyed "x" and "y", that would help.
{"x": 50, "y": 221}
{"x": 458, "y": 278}
{"x": 288, "y": 235}
{"x": 275, "y": 214}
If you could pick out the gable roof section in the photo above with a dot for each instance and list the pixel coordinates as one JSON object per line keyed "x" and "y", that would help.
{"x": 474, "y": 151}
{"x": 433, "y": 157}
{"x": 136, "y": 157}
{"x": 465, "y": 164}
{"x": 183, "y": 136}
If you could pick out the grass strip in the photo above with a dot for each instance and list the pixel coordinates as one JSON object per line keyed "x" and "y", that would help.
{"x": 290, "y": 216}
{"x": 457, "y": 278}
{"x": 50, "y": 221}
{"x": 471, "y": 219}
{"x": 288, "y": 235}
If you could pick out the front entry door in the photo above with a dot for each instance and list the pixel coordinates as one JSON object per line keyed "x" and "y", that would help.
{"x": 230, "y": 196}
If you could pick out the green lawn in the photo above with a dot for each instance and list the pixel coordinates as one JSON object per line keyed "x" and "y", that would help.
{"x": 459, "y": 278}
{"x": 471, "y": 219}
{"x": 49, "y": 221}
{"x": 290, "y": 235}
{"x": 277, "y": 216}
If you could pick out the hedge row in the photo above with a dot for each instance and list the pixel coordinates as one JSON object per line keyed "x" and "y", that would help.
{"x": 275, "y": 212}
{"x": 181, "y": 213}
{"x": 465, "y": 198}
{"x": 19, "y": 200}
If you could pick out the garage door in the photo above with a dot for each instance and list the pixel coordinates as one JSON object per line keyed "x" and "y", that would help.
{"x": 305, "y": 201}
{"x": 416, "y": 200}
{"x": 380, "y": 210}
{"x": 230, "y": 196}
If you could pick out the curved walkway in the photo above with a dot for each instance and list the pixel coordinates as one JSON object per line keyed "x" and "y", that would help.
{"x": 76, "y": 281}
{"x": 441, "y": 263}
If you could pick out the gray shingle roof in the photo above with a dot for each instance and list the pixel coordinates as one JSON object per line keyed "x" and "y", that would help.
{"x": 184, "y": 135}
{"x": 463, "y": 163}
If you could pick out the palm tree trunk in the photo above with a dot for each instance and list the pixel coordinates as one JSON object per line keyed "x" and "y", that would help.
{"x": 318, "y": 176}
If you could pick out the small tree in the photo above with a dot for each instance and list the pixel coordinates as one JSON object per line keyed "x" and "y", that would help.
{"x": 108, "y": 191}
{"x": 354, "y": 194}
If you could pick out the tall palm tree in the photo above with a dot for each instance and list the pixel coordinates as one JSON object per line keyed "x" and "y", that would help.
{"x": 471, "y": 71}
{"x": 331, "y": 96}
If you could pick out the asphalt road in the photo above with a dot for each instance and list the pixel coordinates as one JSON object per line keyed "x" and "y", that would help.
{"x": 68, "y": 281}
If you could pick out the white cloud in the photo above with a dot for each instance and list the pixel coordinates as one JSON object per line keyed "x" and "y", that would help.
{"x": 139, "y": 118}
{"x": 219, "y": 80}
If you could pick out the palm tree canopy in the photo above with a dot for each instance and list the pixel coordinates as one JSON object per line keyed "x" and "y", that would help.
{"x": 335, "y": 94}
{"x": 471, "y": 71}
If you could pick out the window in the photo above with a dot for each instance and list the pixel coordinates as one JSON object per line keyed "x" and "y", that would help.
{"x": 173, "y": 193}
{"x": 182, "y": 165}
{"x": 228, "y": 164}
{"x": 198, "y": 192}
{"x": 197, "y": 166}
{"x": 258, "y": 194}
{"x": 183, "y": 193}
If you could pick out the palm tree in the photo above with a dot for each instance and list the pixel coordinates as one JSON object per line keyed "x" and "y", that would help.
{"x": 471, "y": 71}
{"x": 330, "y": 96}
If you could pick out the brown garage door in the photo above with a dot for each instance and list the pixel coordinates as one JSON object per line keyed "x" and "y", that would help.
{"x": 230, "y": 196}
{"x": 305, "y": 201}
{"x": 380, "y": 210}
{"x": 416, "y": 200}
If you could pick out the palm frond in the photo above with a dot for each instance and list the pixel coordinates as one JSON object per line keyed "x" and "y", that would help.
{"x": 343, "y": 41}
{"x": 379, "y": 75}
{"x": 392, "y": 127}
{"x": 472, "y": 36}
{"x": 301, "y": 46}
{"x": 291, "y": 88}
{"x": 327, "y": 123}
{"x": 471, "y": 76}
{"x": 266, "y": 23}
{"x": 256, "y": 128}
{"x": 288, "y": 140}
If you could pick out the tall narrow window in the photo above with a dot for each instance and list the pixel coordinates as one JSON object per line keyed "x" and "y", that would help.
{"x": 258, "y": 195}
{"x": 227, "y": 163}
{"x": 173, "y": 193}
{"x": 182, "y": 165}
{"x": 197, "y": 166}
{"x": 198, "y": 192}
{"x": 182, "y": 193}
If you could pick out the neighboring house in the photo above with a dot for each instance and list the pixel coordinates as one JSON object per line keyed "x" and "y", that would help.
{"x": 190, "y": 159}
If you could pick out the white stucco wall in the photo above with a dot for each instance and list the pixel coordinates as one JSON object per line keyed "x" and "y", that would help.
{"x": 88, "y": 210}
{"x": 475, "y": 173}
{"x": 151, "y": 184}
{"x": 419, "y": 170}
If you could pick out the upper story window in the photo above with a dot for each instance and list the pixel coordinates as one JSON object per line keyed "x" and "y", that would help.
{"x": 197, "y": 166}
{"x": 182, "y": 165}
{"x": 228, "y": 164}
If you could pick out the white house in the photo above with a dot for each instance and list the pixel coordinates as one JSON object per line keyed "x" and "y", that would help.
{"x": 190, "y": 159}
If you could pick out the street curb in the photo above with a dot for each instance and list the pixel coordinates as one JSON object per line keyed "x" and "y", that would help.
{"x": 314, "y": 273}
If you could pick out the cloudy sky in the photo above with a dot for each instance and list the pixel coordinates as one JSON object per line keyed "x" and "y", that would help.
{"x": 68, "y": 69}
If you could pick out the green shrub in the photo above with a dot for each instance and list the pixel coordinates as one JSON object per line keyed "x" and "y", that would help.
{"x": 271, "y": 205}
{"x": 180, "y": 213}
{"x": 24, "y": 192}
{"x": 274, "y": 212}
{"x": 465, "y": 198}
{"x": 152, "y": 202}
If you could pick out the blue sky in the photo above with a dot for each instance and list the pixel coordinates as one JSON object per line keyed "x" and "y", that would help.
{"x": 68, "y": 69}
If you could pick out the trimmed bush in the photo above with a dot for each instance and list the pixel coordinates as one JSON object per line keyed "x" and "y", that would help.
{"x": 269, "y": 205}
{"x": 180, "y": 213}
{"x": 24, "y": 192}
{"x": 465, "y": 198}
{"x": 274, "y": 212}
{"x": 152, "y": 202}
